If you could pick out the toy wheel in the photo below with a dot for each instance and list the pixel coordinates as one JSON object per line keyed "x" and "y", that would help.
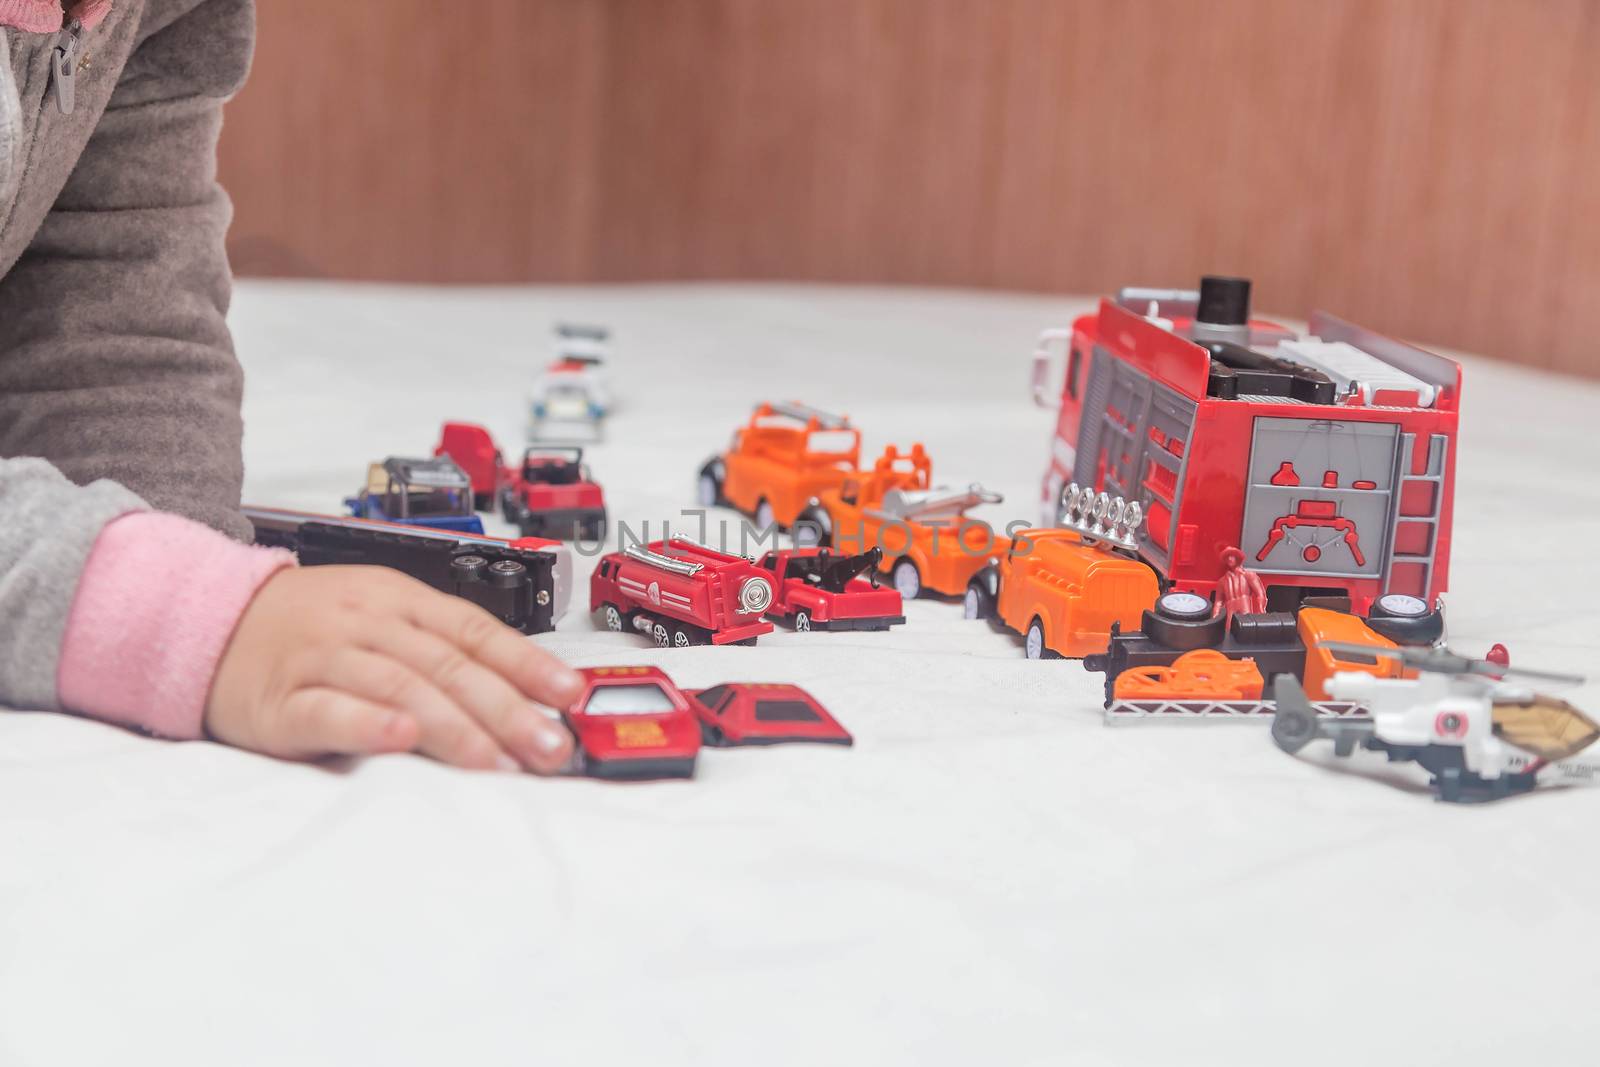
{"x": 1033, "y": 643}
{"x": 530, "y": 525}
{"x": 684, "y": 635}
{"x": 907, "y": 579}
{"x": 662, "y": 637}
{"x": 507, "y": 573}
{"x": 468, "y": 568}
{"x": 802, "y": 621}
{"x": 813, "y": 527}
{"x": 1184, "y": 621}
{"x": 708, "y": 489}
{"x": 1406, "y": 620}
{"x": 765, "y": 518}
{"x": 613, "y": 618}
{"x": 592, "y": 529}
{"x": 977, "y": 603}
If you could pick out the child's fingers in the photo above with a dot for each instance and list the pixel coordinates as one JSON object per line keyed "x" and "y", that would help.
{"x": 319, "y": 721}
{"x": 539, "y": 675}
{"x": 492, "y": 704}
{"x": 448, "y": 730}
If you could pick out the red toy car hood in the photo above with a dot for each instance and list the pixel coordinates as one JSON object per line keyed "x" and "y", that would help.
{"x": 564, "y": 497}
{"x": 743, "y": 713}
{"x": 621, "y": 737}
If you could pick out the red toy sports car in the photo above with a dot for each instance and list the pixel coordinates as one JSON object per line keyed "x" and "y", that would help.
{"x": 633, "y": 723}
{"x": 759, "y": 713}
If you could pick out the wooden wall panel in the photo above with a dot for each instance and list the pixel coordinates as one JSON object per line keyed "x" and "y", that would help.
{"x": 1424, "y": 167}
{"x": 417, "y": 139}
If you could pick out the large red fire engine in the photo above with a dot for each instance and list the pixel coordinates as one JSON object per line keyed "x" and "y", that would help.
{"x": 682, "y": 593}
{"x": 1327, "y": 460}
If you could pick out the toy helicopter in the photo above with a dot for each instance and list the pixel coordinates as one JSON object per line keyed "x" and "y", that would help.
{"x": 1466, "y": 721}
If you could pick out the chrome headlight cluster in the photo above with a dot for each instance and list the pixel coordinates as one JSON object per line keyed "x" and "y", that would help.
{"x": 1101, "y": 515}
{"x": 755, "y": 595}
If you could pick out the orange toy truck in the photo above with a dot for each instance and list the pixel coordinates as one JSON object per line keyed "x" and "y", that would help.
{"x": 780, "y": 461}
{"x": 1064, "y": 593}
{"x": 928, "y": 541}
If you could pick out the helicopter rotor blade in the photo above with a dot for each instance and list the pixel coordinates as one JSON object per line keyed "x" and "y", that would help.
{"x": 1443, "y": 661}
{"x": 1497, "y": 671}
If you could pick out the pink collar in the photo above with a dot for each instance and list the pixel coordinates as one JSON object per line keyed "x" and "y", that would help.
{"x": 46, "y": 16}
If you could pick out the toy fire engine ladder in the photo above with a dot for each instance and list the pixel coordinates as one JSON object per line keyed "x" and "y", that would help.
{"x": 805, "y": 413}
{"x": 928, "y": 503}
{"x": 1422, "y": 527}
{"x": 1125, "y": 711}
{"x": 687, "y": 568}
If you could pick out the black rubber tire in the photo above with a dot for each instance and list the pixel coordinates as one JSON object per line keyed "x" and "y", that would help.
{"x": 712, "y": 469}
{"x": 507, "y": 573}
{"x": 1184, "y": 621}
{"x": 802, "y": 621}
{"x": 895, "y": 582}
{"x": 978, "y": 603}
{"x": 469, "y": 568}
{"x": 1398, "y": 619}
{"x": 815, "y": 517}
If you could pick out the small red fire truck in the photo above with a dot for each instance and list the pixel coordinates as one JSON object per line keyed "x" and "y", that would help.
{"x": 1327, "y": 461}
{"x": 682, "y": 593}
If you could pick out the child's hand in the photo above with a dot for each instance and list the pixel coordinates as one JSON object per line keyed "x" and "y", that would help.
{"x": 364, "y": 660}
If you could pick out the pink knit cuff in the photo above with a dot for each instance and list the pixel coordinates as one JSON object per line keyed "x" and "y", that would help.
{"x": 155, "y": 607}
{"x": 46, "y": 16}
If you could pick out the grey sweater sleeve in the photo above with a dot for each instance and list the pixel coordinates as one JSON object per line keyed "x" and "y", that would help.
{"x": 115, "y": 357}
{"x": 47, "y": 528}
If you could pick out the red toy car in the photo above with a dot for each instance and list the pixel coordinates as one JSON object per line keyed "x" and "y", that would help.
{"x": 818, "y": 589}
{"x": 552, "y": 493}
{"x": 682, "y": 593}
{"x": 751, "y": 713}
{"x": 633, "y": 723}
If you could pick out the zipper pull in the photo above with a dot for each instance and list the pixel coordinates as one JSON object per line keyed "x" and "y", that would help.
{"x": 64, "y": 68}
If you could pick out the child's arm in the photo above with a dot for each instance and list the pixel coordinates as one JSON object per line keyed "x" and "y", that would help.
{"x": 160, "y": 623}
{"x": 117, "y": 360}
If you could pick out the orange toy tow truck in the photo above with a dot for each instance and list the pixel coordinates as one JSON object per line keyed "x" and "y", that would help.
{"x": 1065, "y": 593}
{"x": 929, "y": 542}
{"x": 780, "y": 461}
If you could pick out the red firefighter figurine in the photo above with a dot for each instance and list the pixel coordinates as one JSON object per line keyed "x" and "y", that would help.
{"x": 1243, "y": 592}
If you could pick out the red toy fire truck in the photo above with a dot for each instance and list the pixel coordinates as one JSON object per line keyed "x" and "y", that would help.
{"x": 1325, "y": 461}
{"x": 819, "y": 589}
{"x": 682, "y": 593}
{"x": 552, "y": 494}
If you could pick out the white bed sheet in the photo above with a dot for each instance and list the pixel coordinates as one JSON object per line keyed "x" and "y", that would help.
{"x": 990, "y": 875}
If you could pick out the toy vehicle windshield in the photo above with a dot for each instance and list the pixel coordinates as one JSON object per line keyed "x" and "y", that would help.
{"x": 640, "y": 698}
{"x": 831, "y": 442}
{"x": 716, "y": 698}
{"x": 427, "y": 500}
{"x": 785, "y": 711}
